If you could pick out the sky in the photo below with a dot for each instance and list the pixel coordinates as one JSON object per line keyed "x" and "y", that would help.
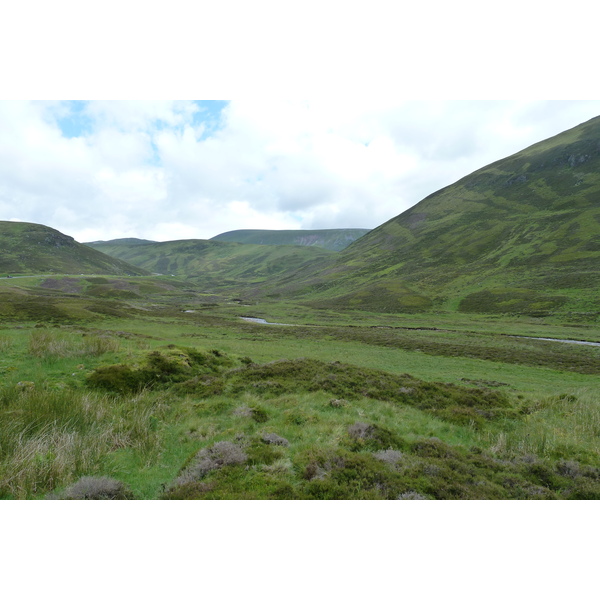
{"x": 165, "y": 170}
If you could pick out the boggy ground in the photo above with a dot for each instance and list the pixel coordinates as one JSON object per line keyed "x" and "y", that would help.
{"x": 140, "y": 399}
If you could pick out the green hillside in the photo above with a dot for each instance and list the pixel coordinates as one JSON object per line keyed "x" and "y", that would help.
{"x": 521, "y": 235}
{"x": 330, "y": 239}
{"x": 213, "y": 263}
{"x": 30, "y": 248}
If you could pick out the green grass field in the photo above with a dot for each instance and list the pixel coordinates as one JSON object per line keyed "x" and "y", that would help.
{"x": 148, "y": 388}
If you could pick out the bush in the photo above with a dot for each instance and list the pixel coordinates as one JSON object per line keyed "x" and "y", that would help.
{"x": 372, "y": 437}
{"x": 217, "y": 456}
{"x": 98, "y": 488}
{"x": 120, "y": 379}
{"x": 273, "y": 438}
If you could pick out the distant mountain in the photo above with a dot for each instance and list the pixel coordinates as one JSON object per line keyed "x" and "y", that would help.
{"x": 120, "y": 242}
{"x": 330, "y": 239}
{"x": 215, "y": 263}
{"x": 31, "y": 248}
{"x": 521, "y": 235}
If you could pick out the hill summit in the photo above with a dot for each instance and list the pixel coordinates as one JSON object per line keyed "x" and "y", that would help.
{"x": 32, "y": 248}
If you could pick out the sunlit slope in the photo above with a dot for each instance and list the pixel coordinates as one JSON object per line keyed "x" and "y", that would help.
{"x": 520, "y": 235}
{"x": 330, "y": 239}
{"x": 220, "y": 264}
{"x": 28, "y": 248}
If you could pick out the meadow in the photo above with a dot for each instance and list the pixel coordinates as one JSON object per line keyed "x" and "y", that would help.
{"x": 149, "y": 388}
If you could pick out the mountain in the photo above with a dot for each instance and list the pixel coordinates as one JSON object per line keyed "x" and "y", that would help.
{"x": 215, "y": 263}
{"x": 520, "y": 235}
{"x": 120, "y": 242}
{"x": 330, "y": 239}
{"x": 31, "y": 248}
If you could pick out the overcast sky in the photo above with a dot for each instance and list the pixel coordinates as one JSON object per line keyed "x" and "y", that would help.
{"x": 165, "y": 170}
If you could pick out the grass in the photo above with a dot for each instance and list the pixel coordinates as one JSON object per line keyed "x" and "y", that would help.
{"x": 371, "y": 406}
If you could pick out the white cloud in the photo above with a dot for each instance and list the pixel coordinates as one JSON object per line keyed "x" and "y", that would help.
{"x": 151, "y": 170}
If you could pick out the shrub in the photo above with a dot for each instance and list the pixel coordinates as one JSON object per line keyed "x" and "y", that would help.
{"x": 120, "y": 379}
{"x": 259, "y": 415}
{"x": 273, "y": 438}
{"x": 389, "y": 456}
{"x": 217, "y": 456}
{"x": 337, "y": 402}
{"x": 98, "y": 488}
{"x": 412, "y": 495}
{"x": 372, "y": 437}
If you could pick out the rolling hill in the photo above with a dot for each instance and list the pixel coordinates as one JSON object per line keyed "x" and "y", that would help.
{"x": 520, "y": 235}
{"x": 31, "y": 248}
{"x": 330, "y": 239}
{"x": 213, "y": 263}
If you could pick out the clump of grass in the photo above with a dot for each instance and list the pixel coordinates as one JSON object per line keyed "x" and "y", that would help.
{"x": 48, "y": 344}
{"x": 49, "y": 437}
{"x": 565, "y": 427}
{"x": 96, "y": 345}
{"x": 44, "y": 343}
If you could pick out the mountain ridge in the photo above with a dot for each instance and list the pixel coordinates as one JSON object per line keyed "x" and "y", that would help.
{"x": 329, "y": 239}
{"x": 35, "y": 248}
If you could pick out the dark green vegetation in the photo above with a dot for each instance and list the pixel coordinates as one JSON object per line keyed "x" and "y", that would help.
{"x": 404, "y": 367}
{"x": 30, "y": 248}
{"x": 330, "y": 239}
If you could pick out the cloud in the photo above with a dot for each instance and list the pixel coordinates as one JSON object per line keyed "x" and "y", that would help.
{"x": 168, "y": 170}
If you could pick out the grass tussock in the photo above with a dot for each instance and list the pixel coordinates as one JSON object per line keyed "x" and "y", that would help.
{"x": 50, "y": 344}
{"x": 49, "y": 437}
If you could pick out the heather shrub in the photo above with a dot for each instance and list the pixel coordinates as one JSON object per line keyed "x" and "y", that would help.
{"x": 389, "y": 456}
{"x": 339, "y": 475}
{"x": 338, "y": 403}
{"x": 217, "y": 456}
{"x": 119, "y": 379}
{"x": 273, "y": 438}
{"x": 364, "y": 436}
{"x": 412, "y": 495}
{"x": 98, "y": 488}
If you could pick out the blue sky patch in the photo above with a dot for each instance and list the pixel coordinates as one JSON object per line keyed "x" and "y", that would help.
{"x": 76, "y": 122}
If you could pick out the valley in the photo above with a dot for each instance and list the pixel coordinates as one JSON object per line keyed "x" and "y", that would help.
{"x": 420, "y": 361}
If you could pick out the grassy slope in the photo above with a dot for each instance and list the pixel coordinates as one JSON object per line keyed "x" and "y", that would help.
{"x": 330, "y": 239}
{"x": 520, "y": 235}
{"x": 216, "y": 264}
{"x": 30, "y": 248}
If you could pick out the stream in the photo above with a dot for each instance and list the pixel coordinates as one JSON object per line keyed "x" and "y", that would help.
{"x": 526, "y": 337}
{"x": 523, "y": 337}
